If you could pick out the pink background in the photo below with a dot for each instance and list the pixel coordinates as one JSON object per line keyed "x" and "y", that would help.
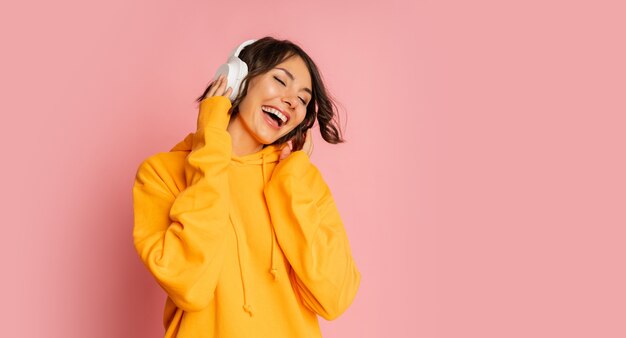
{"x": 482, "y": 185}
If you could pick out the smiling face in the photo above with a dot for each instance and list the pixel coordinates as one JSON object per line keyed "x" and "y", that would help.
{"x": 282, "y": 93}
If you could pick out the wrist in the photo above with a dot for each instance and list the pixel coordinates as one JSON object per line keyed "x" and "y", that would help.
{"x": 214, "y": 112}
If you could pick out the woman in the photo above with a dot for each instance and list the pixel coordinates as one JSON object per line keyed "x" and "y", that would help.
{"x": 235, "y": 223}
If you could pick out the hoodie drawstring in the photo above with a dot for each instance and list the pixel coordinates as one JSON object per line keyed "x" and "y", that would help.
{"x": 273, "y": 269}
{"x": 273, "y": 155}
{"x": 246, "y": 306}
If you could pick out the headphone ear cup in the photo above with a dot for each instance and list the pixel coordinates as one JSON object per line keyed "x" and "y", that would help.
{"x": 237, "y": 71}
{"x": 231, "y": 71}
{"x": 234, "y": 70}
{"x": 224, "y": 69}
{"x": 243, "y": 71}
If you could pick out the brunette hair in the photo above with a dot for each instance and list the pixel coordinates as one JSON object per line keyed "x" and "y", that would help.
{"x": 262, "y": 56}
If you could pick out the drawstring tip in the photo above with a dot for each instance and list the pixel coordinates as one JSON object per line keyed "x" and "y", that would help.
{"x": 274, "y": 273}
{"x": 248, "y": 309}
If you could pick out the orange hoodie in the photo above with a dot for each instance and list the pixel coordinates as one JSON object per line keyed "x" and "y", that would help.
{"x": 243, "y": 246}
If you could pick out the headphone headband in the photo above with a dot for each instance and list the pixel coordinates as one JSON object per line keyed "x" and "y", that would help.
{"x": 237, "y": 50}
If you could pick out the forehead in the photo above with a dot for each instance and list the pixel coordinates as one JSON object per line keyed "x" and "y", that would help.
{"x": 296, "y": 66}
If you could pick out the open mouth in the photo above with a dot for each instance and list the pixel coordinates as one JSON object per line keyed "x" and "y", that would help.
{"x": 275, "y": 115}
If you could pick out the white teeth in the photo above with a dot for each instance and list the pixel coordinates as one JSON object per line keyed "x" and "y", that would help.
{"x": 275, "y": 112}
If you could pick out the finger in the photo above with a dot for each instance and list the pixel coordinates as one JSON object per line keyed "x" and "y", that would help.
{"x": 222, "y": 86}
{"x": 214, "y": 86}
{"x": 284, "y": 152}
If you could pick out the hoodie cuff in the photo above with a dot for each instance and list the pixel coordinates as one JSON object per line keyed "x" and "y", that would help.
{"x": 214, "y": 112}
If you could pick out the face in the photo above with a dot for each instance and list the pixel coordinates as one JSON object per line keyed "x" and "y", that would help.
{"x": 286, "y": 88}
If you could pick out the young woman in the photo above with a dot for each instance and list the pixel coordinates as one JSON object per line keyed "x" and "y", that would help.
{"x": 234, "y": 222}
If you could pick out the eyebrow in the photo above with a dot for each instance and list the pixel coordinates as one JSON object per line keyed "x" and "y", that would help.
{"x": 293, "y": 78}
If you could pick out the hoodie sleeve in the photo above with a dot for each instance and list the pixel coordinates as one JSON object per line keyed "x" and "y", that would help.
{"x": 312, "y": 236}
{"x": 181, "y": 238}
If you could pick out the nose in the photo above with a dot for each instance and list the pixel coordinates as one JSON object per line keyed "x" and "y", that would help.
{"x": 291, "y": 101}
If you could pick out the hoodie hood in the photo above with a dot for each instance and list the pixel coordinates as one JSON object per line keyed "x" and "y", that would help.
{"x": 269, "y": 154}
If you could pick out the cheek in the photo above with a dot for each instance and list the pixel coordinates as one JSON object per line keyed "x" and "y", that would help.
{"x": 270, "y": 90}
{"x": 244, "y": 107}
{"x": 262, "y": 88}
{"x": 301, "y": 118}
{"x": 247, "y": 109}
{"x": 291, "y": 128}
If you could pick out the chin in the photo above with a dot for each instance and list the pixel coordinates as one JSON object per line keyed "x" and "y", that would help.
{"x": 265, "y": 141}
{"x": 269, "y": 140}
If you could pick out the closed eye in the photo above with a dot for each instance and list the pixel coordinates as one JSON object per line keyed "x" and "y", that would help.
{"x": 301, "y": 99}
{"x": 280, "y": 81}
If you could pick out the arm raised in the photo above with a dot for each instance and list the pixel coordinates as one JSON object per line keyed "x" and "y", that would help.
{"x": 181, "y": 239}
{"x": 310, "y": 232}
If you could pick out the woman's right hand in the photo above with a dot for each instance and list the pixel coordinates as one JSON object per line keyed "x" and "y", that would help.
{"x": 214, "y": 111}
{"x": 217, "y": 88}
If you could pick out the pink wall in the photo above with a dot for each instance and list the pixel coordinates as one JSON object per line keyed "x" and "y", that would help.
{"x": 482, "y": 185}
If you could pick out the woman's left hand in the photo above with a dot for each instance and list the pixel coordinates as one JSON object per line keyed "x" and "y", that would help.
{"x": 307, "y": 147}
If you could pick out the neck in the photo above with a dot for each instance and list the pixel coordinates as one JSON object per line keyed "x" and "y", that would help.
{"x": 243, "y": 143}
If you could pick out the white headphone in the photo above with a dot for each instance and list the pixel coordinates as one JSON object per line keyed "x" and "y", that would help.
{"x": 234, "y": 69}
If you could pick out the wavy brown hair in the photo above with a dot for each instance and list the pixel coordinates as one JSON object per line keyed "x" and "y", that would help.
{"x": 265, "y": 54}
